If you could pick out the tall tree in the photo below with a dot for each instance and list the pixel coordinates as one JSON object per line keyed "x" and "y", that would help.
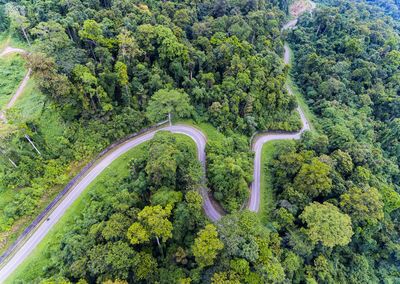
{"x": 152, "y": 222}
{"x": 167, "y": 101}
{"x": 326, "y": 224}
{"x": 207, "y": 246}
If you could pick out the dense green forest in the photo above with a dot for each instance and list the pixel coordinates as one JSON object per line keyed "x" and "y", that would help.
{"x": 347, "y": 65}
{"x": 100, "y": 65}
{"x": 109, "y": 68}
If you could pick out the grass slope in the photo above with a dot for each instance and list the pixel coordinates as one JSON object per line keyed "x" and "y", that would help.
{"x": 267, "y": 203}
{"x": 211, "y": 133}
{"x": 33, "y": 266}
{"x": 28, "y": 106}
{"x": 12, "y": 72}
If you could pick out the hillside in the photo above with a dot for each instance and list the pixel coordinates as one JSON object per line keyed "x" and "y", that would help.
{"x": 195, "y": 199}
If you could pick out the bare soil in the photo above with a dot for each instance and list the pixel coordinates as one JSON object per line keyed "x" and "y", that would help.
{"x": 299, "y": 7}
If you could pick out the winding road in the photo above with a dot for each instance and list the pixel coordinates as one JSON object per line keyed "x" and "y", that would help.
{"x": 22, "y": 251}
{"x": 40, "y": 232}
{"x": 22, "y": 85}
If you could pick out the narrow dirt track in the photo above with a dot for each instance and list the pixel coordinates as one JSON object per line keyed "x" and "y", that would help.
{"x": 10, "y": 49}
{"x": 22, "y": 85}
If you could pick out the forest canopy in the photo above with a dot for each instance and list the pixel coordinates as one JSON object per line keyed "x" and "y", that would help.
{"x": 109, "y": 68}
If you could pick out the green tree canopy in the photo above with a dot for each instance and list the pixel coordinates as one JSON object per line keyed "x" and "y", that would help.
{"x": 167, "y": 101}
{"x": 326, "y": 224}
{"x": 313, "y": 179}
{"x": 363, "y": 205}
{"x": 207, "y": 246}
{"x": 152, "y": 222}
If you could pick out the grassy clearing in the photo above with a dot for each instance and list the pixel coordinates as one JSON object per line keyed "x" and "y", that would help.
{"x": 210, "y": 131}
{"x": 12, "y": 72}
{"x": 33, "y": 266}
{"x": 7, "y": 39}
{"x": 267, "y": 203}
{"x": 4, "y": 39}
{"x": 28, "y": 106}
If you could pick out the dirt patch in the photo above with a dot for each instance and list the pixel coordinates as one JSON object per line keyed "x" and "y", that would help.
{"x": 300, "y": 7}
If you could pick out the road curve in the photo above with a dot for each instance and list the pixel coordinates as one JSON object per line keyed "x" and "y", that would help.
{"x": 261, "y": 139}
{"x": 198, "y": 137}
{"x": 10, "y": 49}
{"x": 40, "y": 232}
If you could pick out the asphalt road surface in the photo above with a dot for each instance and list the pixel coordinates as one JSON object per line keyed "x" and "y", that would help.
{"x": 23, "y": 251}
{"x": 260, "y": 140}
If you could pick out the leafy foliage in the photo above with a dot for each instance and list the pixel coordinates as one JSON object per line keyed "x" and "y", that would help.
{"x": 325, "y": 223}
{"x": 206, "y": 246}
{"x": 168, "y": 101}
{"x": 108, "y": 68}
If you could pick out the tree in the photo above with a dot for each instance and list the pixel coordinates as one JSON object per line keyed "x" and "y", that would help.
{"x": 224, "y": 278}
{"x": 89, "y": 91}
{"x": 128, "y": 47}
{"x": 144, "y": 265}
{"x": 17, "y": 16}
{"x": 167, "y": 101}
{"x": 162, "y": 164}
{"x": 115, "y": 227}
{"x": 112, "y": 260}
{"x": 207, "y": 246}
{"x": 229, "y": 178}
{"x": 364, "y": 206}
{"x": 4, "y": 20}
{"x": 313, "y": 179}
{"x": 391, "y": 198}
{"x": 229, "y": 170}
{"x": 117, "y": 281}
{"x": 344, "y": 163}
{"x": 121, "y": 71}
{"x": 54, "y": 85}
{"x": 92, "y": 32}
{"x": 353, "y": 46}
{"x": 51, "y": 36}
{"x": 152, "y": 222}
{"x": 137, "y": 234}
{"x": 326, "y": 224}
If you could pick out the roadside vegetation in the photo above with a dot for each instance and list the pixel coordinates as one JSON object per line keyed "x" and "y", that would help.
{"x": 12, "y": 72}
{"x": 229, "y": 166}
{"x": 268, "y": 194}
{"x": 100, "y": 80}
{"x": 90, "y": 218}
